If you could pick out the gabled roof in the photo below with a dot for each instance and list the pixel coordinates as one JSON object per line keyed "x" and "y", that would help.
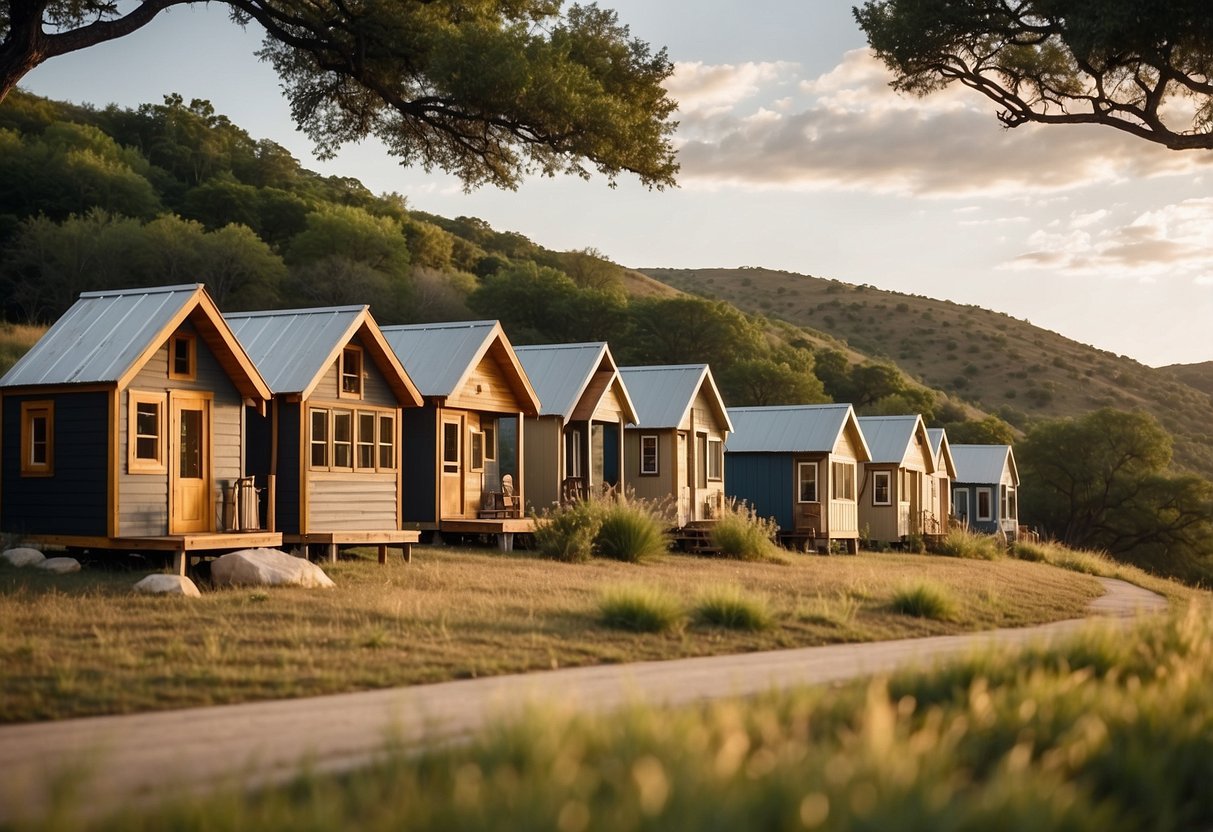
{"x": 984, "y": 463}
{"x": 664, "y": 395}
{"x": 293, "y": 348}
{"x": 801, "y": 428}
{"x": 106, "y": 337}
{"x": 439, "y": 357}
{"x": 563, "y": 373}
{"x": 890, "y": 438}
{"x": 942, "y": 448}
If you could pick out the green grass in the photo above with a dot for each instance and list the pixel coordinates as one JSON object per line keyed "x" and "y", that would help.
{"x": 632, "y": 531}
{"x": 924, "y": 599}
{"x": 729, "y": 606}
{"x": 567, "y": 533}
{"x": 639, "y": 608}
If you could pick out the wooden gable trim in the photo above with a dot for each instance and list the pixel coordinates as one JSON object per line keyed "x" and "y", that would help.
{"x": 851, "y": 424}
{"x": 385, "y": 358}
{"x": 516, "y": 377}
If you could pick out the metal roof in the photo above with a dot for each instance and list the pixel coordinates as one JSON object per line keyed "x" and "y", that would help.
{"x": 438, "y": 356}
{"x": 101, "y": 336}
{"x": 562, "y": 374}
{"x": 983, "y": 463}
{"x": 663, "y": 395}
{"x": 936, "y": 436}
{"x": 291, "y": 347}
{"x": 889, "y": 437}
{"x": 942, "y": 449}
{"x": 803, "y": 428}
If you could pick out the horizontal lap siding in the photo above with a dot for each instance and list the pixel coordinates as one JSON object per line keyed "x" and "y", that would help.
{"x": 351, "y": 502}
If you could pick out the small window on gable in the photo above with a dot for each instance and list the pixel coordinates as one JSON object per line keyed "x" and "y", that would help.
{"x": 37, "y": 439}
{"x": 880, "y": 488}
{"x": 648, "y": 455}
{"x": 145, "y": 433}
{"x": 351, "y": 373}
{"x": 182, "y": 357}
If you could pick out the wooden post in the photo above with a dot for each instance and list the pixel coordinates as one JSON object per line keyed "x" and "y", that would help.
{"x": 271, "y": 506}
{"x": 181, "y": 562}
{"x": 332, "y": 553}
{"x": 407, "y": 551}
{"x": 382, "y": 553}
{"x": 505, "y": 541}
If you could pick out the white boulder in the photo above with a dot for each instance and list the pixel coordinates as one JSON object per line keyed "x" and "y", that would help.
{"x": 266, "y": 567}
{"x": 168, "y": 585}
{"x": 60, "y": 566}
{"x": 22, "y": 556}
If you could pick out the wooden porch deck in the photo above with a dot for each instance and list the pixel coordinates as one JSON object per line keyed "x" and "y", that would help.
{"x": 402, "y": 539}
{"x": 183, "y": 546}
{"x": 503, "y": 527}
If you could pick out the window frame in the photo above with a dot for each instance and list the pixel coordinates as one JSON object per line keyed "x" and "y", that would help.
{"x": 475, "y": 450}
{"x": 380, "y": 418}
{"x": 30, "y": 411}
{"x": 887, "y": 476}
{"x": 848, "y": 480}
{"x": 452, "y": 465}
{"x": 136, "y": 464}
{"x": 383, "y": 438}
{"x": 715, "y": 459}
{"x": 325, "y": 443}
{"x": 966, "y": 515}
{"x": 347, "y": 352}
{"x": 988, "y": 493}
{"x": 654, "y": 440}
{"x": 191, "y": 353}
{"x": 361, "y": 443}
{"x": 572, "y": 450}
{"x": 801, "y": 480}
{"x": 490, "y": 440}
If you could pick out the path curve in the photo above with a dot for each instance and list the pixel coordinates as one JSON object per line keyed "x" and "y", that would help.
{"x": 117, "y": 761}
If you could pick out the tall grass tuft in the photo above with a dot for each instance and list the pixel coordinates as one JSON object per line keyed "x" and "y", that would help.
{"x": 632, "y": 531}
{"x": 924, "y": 599}
{"x": 640, "y": 608}
{"x": 731, "y": 607}
{"x": 567, "y": 533}
{"x": 963, "y": 543}
{"x": 740, "y": 533}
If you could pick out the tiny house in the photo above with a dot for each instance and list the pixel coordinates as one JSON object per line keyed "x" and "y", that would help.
{"x": 985, "y": 494}
{"x": 940, "y": 504}
{"x": 676, "y": 448}
{"x": 464, "y": 457}
{"x": 799, "y": 465}
{"x": 895, "y": 493}
{"x": 330, "y": 443}
{"x": 574, "y": 447}
{"x": 124, "y": 427}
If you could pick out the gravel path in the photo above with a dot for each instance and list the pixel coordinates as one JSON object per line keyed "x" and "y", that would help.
{"x": 114, "y": 761}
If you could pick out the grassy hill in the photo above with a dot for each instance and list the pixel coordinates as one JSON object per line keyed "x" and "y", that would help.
{"x": 992, "y": 360}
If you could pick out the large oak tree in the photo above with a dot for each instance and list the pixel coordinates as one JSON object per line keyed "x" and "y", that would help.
{"x": 1141, "y": 66}
{"x": 486, "y": 89}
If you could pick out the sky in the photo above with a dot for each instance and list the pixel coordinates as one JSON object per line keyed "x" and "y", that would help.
{"x": 795, "y": 155}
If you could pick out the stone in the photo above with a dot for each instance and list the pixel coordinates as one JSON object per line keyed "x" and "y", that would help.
{"x": 60, "y": 566}
{"x": 168, "y": 585}
{"x": 267, "y": 567}
{"x": 22, "y": 556}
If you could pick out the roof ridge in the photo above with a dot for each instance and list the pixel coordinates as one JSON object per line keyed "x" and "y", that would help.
{"x": 312, "y": 310}
{"x": 146, "y": 290}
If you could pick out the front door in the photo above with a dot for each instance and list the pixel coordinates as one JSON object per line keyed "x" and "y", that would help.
{"x": 452, "y": 467}
{"x": 190, "y": 508}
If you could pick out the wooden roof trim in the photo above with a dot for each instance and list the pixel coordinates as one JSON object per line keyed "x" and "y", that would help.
{"x": 520, "y": 385}
{"x": 722, "y": 412}
{"x": 920, "y": 432}
{"x": 945, "y": 451}
{"x": 1010, "y": 462}
{"x": 851, "y": 423}
{"x": 397, "y": 378}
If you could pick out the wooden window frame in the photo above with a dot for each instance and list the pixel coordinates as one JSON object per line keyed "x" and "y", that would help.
{"x": 334, "y": 414}
{"x": 849, "y": 480}
{"x": 988, "y": 493}
{"x": 347, "y": 352}
{"x": 887, "y": 476}
{"x": 326, "y": 444}
{"x": 715, "y": 460}
{"x": 452, "y": 465}
{"x": 801, "y": 480}
{"x": 572, "y": 462}
{"x": 380, "y": 444}
{"x": 381, "y": 439}
{"x": 191, "y": 353}
{"x": 30, "y": 411}
{"x": 656, "y": 441}
{"x": 490, "y": 440}
{"x": 136, "y": 464}
{"x": 475, "y": 450}
{"x": 366, "y": 443}
{"x": 1012, "y": 510}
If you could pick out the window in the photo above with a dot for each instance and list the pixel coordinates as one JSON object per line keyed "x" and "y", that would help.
{"x": 351, "y": 373}
{"x": 572, "y": 454}
{"x": 806, "y": 482}
{"x": 881, "y": 485}
{"x": 343, "y": 439}
{"x": 145, "y": 433}
{"x": 715, "y": 460}
{"x": 450, "y": 447}
{"x": 320, "y": 438}
{"x": 1011, "y": 512}
{"x": 960, "y": 506}
{"x": 387, "y": 442}
{"x": 37, "y": 439}
{"x": 844, "y": 481}
{"x": 490, "y": 440}
{"x": 648, "y": 455}
{"x": 476, "y": 450}
{"x": 985, "y": 504}
{"x": 182, "y": 358}
{"x": 364, "y": 440}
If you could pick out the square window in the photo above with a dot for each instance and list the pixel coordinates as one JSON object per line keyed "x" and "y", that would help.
{"x": 145, "y": 435}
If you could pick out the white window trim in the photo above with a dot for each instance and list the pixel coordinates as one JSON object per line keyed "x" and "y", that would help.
{"x": 800, "y": 467}
{"x": 887, "y": 476}
{"x": 989, "y": 515}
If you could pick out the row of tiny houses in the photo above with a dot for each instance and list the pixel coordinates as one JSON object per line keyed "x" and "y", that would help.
{"x": 145, "y": 419}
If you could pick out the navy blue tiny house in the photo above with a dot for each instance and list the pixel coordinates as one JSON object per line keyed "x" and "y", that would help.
{"x": 124, "y": 426}
{"x": 985, "y": 495}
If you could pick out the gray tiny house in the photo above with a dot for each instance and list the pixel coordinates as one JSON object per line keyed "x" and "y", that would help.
{"x": 895, "y": 495}
{"x": 799, "y": 465}
{"x": 124, "y": 427}
{"x": 985, "y": 495}
{"x": 328, "y": 450}
{"x": 574, "y": 447}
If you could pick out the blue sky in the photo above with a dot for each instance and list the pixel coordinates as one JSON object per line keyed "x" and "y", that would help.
{"x": 796, "y": 155}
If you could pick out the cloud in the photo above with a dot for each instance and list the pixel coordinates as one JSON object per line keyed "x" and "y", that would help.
{"x": 847, "y": 129}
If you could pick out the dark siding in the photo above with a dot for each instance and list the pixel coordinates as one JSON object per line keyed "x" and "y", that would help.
{"x": 764, "y": 481}
{"x": 288, "y": 468}
{"x": 73, "y": 501}
{"x": 419, "y": 458}
{"x": 610, "y": 454}
{"x": 984, "y": 526}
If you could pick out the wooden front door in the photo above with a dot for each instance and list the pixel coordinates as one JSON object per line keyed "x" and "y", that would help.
{"x": 451, "y": 504}
{"x": 190, "y": 508}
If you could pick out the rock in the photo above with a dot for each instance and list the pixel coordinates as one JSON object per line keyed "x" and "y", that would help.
{"x": 22, "y": 556}
{"x": 168, "y": 585}
{"x": 266, "y": 567}
{"x": 60, "y": 566}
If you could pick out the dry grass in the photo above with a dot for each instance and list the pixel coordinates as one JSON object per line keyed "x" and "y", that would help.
{"x": 85, "y": 644}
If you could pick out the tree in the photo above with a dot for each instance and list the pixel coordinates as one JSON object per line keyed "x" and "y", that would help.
{"x": 486, "y": 89}
{"x": 989, "y": 430}
{"x": 1140, "y": 66}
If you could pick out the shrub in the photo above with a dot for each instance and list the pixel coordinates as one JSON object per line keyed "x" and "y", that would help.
{"x": 639, "y": 608}
{"x": 729, "y": 606}
{"x": 740, "y": 533}
{"x": 924, "y": 600}
{"x": 631, "y": 530}
{"x": 962, "y": 543}
{"x": 568, "y": 532}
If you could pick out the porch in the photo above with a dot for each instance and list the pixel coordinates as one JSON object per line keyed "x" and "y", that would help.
{"x": 402, "y": 540}
{"x": 183, "y": 546}
{"x": 503, "y": 528}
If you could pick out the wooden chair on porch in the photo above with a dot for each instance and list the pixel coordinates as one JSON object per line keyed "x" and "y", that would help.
{"x": 503, "y": 504}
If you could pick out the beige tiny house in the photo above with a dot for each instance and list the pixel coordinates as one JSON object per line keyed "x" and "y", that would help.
{"x": 941, "y": 482}
{"x": 676, "y": 448}
{"x": 895, "y": 497}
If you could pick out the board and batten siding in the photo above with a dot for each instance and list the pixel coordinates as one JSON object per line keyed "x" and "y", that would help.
{"x": 143, "y": 498}
{"x": 543, "y": 443}
{"x": 882, "y": 523}
{"x": 763, "y": 481}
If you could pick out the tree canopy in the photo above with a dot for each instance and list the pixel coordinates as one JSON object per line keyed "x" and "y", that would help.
{"x": 488, "y": 90}
{"x": 1140, "y": 66}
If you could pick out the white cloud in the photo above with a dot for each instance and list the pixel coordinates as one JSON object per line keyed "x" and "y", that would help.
{"x": 704, "y": 90}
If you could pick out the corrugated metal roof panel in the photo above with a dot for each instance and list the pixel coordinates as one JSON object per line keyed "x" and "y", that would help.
{"x": 805, "y": 428}
{"x": 100, "y": 337}
{"x": 936, "y": 436}
{"x": 980, "y": 463}
{"x": 888, "y": 437}
{"x": 436, "y": 356}
{"x": 560, "y": 373}
{"x": 291, "y": 347}
{"x": 663, "y": 394}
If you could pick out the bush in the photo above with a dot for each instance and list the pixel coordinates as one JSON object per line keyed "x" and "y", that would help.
{"x": 962, "y": 543}
{"x": 568, "y": 532}
{"x": 639, "y": 608}
{"x": 729, "y": 606}
{"x": 631, "y": 530}
{"x": 740, "y": 533}
{"x": 924, "y": 600}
